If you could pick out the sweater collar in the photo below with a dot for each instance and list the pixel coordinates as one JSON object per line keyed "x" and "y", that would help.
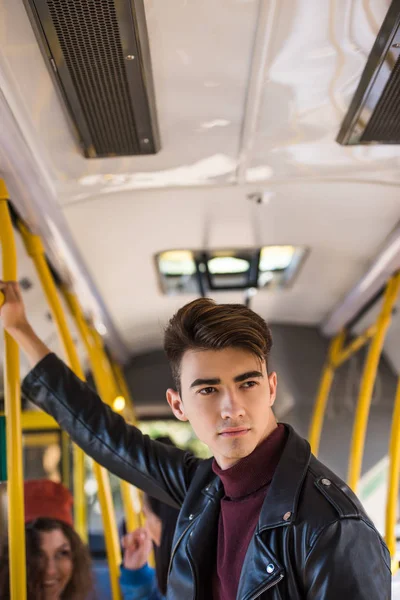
{"x": 255, "y": 470}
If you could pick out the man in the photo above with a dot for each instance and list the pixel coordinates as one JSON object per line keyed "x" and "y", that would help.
{"x": 262, "y": 520}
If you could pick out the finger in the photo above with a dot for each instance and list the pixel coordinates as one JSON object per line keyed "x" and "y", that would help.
{"x": 131, "y": 541}
{"x": 8, "y": 285}
{"x": 16, "y": 289}
{"x": 7, "y": 289}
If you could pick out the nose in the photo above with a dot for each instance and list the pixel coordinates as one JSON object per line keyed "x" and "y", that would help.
{"x": 51, "y": 568}
{"x": 231, "y": 407}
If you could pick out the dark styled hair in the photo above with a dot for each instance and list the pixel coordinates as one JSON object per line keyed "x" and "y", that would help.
{"x": 162, "y": 553}
{"x": 81, "y": 582}
{"x": 205, "y": 325}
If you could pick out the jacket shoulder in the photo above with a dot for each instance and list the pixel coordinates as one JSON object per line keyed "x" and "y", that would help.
{"x": 334, "y": 490}
{"x": 325, "y": 498}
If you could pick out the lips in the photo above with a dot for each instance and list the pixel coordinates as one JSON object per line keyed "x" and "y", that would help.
{"x": 234, "y": 431}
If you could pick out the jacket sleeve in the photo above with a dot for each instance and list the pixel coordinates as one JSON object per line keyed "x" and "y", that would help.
{"x": 348, "y": 559}
{"x": 139, "y": 584}
{"x": 161, "y": 471}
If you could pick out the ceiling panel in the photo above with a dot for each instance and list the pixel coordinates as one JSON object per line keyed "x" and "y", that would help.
{"x": 119, "y": 238}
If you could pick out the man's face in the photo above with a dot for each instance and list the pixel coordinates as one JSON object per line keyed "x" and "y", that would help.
{"x": 227, "y": 395}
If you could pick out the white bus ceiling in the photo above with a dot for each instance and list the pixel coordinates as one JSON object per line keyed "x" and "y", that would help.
{"x": 250, "y": 97}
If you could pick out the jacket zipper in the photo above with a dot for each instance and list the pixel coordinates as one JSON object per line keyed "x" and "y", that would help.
{"x": 177, "y": 544}
{"x": 267, "y": 587}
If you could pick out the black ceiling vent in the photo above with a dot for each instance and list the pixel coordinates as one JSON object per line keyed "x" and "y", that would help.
{"x": 374, "y": 113}
{"x": 98, "y": 51}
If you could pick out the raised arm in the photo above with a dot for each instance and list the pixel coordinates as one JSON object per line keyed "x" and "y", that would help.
{"x": 162, "y": 471}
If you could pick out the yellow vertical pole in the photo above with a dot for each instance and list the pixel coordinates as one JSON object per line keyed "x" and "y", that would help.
{"x": 16, "y": 529}
{"x": 325, "y": 385}
{"x": 368, "y": 381}
{"x": 109, "y": 390}
{"x": 121, "y": 384}
{"x": 104, "y": 492}
{"x": 393, "y": 482}
{"x": 35, "y": 250}
{"x": 134, "y": 518}
{"x": 139, "y": 520}
{"x": 66, "y": 478}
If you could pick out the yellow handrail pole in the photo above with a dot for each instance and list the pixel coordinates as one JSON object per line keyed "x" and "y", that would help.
{"x": 394, "y": 478}
{"x": 104, "y": 490}
{"x": 107, "y": 373}
{"x": 368, "y": 380}
{"x": 122, "y": 385}
{"x": 66, "y": 476}
{"x": 133, "y": 497}
{"x": 12, "y": 399}
{"x": 355, "y": 345}
{"x": 34, "y": 247}
{"x": 328, "y": 372}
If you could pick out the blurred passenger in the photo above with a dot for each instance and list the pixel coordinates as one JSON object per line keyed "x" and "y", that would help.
{"x": 138, "y": 580}
{"x": 58, "y": 563}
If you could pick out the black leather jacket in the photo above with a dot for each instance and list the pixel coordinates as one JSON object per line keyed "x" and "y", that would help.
{"x": 313, "y": 540}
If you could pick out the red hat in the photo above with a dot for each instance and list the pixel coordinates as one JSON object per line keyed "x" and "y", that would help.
{"x": 47, "y": 499}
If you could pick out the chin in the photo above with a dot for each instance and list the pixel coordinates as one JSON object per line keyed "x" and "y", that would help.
{"x": 240, "y": 450}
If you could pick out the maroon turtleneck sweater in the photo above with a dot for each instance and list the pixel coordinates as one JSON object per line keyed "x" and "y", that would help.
{"x": 246, "y": 485}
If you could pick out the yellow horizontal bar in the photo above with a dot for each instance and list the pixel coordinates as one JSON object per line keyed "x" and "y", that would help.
{"x": 32, "y": 420}
{"x": 355, "y": 345}
{"x": 40, "y": 440}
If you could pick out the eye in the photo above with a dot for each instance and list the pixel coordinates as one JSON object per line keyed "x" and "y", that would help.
{"x": 207, "y": 391}
{"x": 249, "y": 384}
{"x": 64, "y": 553}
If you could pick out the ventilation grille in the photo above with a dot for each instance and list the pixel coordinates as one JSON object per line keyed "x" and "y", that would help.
{"x": 374, "y": 113}
{"x": 101, "y": 75}
{"x": 384, "y": 124}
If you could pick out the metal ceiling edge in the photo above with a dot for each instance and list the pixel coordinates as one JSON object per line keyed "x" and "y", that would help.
{"x": 374, "y": 79}
{"x": 36, "y": 202}
{"x": 384, "y": 265}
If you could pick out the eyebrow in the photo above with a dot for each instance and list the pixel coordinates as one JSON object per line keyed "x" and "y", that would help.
{"x": 237, "y": 379}
{"x": 248, "y": 375}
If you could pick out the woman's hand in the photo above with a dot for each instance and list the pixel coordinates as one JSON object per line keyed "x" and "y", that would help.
{"x": 12, "y": 312}
{"x": 137, "y": 546}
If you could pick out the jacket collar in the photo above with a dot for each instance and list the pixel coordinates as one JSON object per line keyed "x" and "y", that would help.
{"x": 262, "y": 569}
{"x": 280, "y": 505}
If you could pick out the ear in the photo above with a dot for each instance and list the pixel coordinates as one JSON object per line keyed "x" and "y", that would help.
{"x": 273, "y": 384}
{"x": 175, "y": 401}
